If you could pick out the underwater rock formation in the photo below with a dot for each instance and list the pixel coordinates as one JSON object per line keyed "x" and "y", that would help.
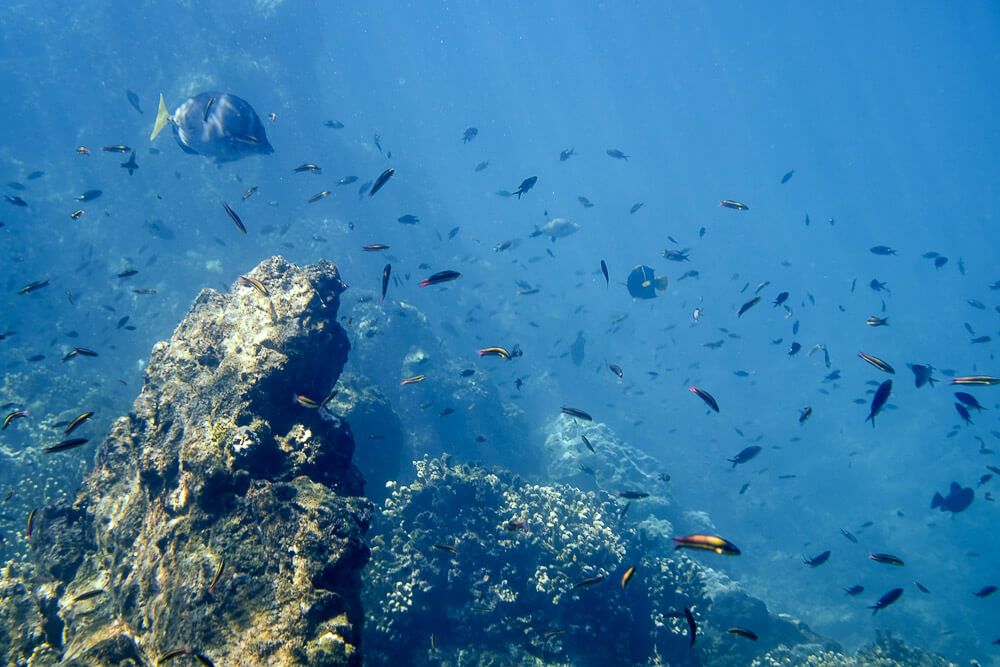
{"x": 222, "y": 516}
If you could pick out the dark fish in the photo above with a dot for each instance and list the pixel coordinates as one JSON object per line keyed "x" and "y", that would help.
{"x": 469, "y": 134}
{"x": 408, "y": 219}
{"x": 576, "y": 412}
{"x": 886, "y": 600}
{"x": 604, "y": 270}
{"x": 978, "y": 380}
{"x": 14, "y": 185}
{"x": 446, "y": 412}
{"x": 705, "y": 396}
{"x": 707, "y": 543}
{"x": 980, "y": 339}
{"x": 482, "y": 165}
{"x": 347, "y": 180}
{"x": 677, "y": 255}
{"x": 617, "y": 154}
{"x": 64, "y": 445}
{"x": 922, "y": 374}
{"x": 130, "y": 164}
{"x": 877, "y": 363}
{"x": 526, "y": 185}
{"x": 34, "y": 175}
{"x": 453, "y": 232}
{"x": 787, "y": 177}
{"x": 743, "y": 632}
{"x": 587, "y": 443}
{"x": 985, "y": 591}
{"x": 969, "y": 400}
{"x": 235, "y": 218}
{"x": 78, "y": 421}
{"x": 963, "y": 412}
{"x": 89, "y": 594}
{"x": 333, "y": 124}
{"x": 631, "y": 495}
{"x": 804, "y": 414}
{"x": 32, "y": 287}
{"x": 308, "y": 166}
{"x": 467, "y": 372}
{"x": 886, "y": 559}
{"x": 745, "y": 455}
{"x": 977, "y": 304}
{"x": 855, "y": 589}
{"x": 217, "y": 125}
{"x": 133, "y": 99}
{"x": 119, "y": 148}
{"x": 386, "y": 272}
{"x": 127, "y": 273}
{"x": 636, "y": 207}
{"x": 586, "y": 203}
{"x": 589, "y": 581}
{"x": 733, "y": 204}
{"x": 882, "y": 250}
{"x": 818, "y": 560}
{"x": 319, "y": 195}
{"x": 794, "y": 349}
{"x": 440, "y": 277}
{"x": 31, "y": 523}
{"x": 846, "y": 533}
{"x": 250, "y": 193}
{"x": 89, "y": 195}
{"x": 957, "y": 500}
{"x": 15, "y": 200}
{"x": 879, "y": 400}
{"x": 10, "y": 418}
{"x": 780, "y": 299}
{"x": 617, "y": 370}
{"x": 748, "y": 305}
{"x": 920, "y": 586}
{"x": 380, "y": 182}
{"x": 566, "y": 154}
{"x": 939, "y": 262}
{"x": 879, "y": 287}
{"x": 877, "y": 321}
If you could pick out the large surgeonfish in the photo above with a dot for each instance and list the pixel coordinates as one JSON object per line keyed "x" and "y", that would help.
{"x": 217, "y": 125}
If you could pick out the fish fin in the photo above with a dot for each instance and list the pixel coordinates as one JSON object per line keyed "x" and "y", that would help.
{"x": 162, "y": 118}
{"x": 955, "y": 487}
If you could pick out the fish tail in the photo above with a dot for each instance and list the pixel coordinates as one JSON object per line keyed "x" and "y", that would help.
{"x": 936, "y": 500}
{"x": 162, "y": 118}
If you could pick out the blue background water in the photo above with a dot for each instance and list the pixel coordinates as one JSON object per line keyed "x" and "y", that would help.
{"x": 885, "y": 112}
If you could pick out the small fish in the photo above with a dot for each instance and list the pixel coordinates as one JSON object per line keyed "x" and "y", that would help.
{"x": 636, "y": 206}
{"x": 576, "y": 412}
{"x": 414, "y": 379}
{"x": 590, "y": 581}
{"x": 310, "y": 167}
{"x": 566, "y": 154}
{"x": 617, "y": 154}
{"x": 856, "y": 589}
{"x": 586, "y": 203}
{"x": 89, "y": 594}
{"x": 15, "y": 200}
{"x": 707, "y": 543}
{"x": 408, "y": 219}
{"x": 877, "y": 363}
{"x": 920, "y": 587}
{"x": 879, "y": 400}
{"x": 604, "y": 270}
{"x": 89, "y": 195}
{"x": 235, "y": 218}
{"x": 33, "y": 287}
{"x": 745, "y": 455}
{"x": 65, "y": 445}
{"x": 882, "y": 250}
{"x": 131, "y": 165}
{"x": 82, "y": 150}
{"x": 818, "y": 560}
{"x": 386, "y": 272}
{"x": 985, "y": 591}
{"x": 127, "y": 273}
{"x": 468, "y": 372}
{"x": 705, "y": 396}
{"x": 873, "y": 321}
{"x": 494, "y": 351}
{"x": 587, "y": 443}
{"x": 780, "y": 299}
{"x": 804, "y": 414}
{"x": 969, "y": 400}
{"x": 333, "y": 124}
{"x": 743, "y": 632}
{"x": 374, "y": 247}
{"x": 886, "y": 600}
{"x": 380, "y": 182}
{"x": 887, "y": 559}
{"x": 218, "y": 574}
{"x": 119, "y": 148}
{"x": 980, "y": 380}
{"x": 794, "y": 349}
{"x": 250, "y": 193}
{"x": 469, "y": 134}
{"x": 617, "y": 370}
{"x": 846, "y": 533}
{"x": 977, "y": 304}
{"x": 939, "y": 262}
{"x": 77, "y": 422}
{"x": 748, "y": 305}
{"x": 305, "y": 401}
{"x": 250, "y": 281}
{"x": 77, "y": 214}
{"x": 922, "y": 374}
{"x": 319, "y": 195}
{"x": 980, "y": 339}
{"x": 31, "y": 523}
{"x": 482, "y": 165}
{"x": 629, "y": 573}
{"x": 631, "y": 495}
{"x": 440, "y": 277}
{"x": 12, "y": 417}
{"x": 347, "y": 180}
{"x": 963, "y": 412}
{"x": 879, "y": 287}
{"x": 733, "y": 204}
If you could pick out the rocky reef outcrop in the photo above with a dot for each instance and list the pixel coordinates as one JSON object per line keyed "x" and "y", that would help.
{"x": 224, "y": 516}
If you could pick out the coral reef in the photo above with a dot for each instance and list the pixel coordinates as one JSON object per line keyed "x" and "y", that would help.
{"x": 224, "y": 514}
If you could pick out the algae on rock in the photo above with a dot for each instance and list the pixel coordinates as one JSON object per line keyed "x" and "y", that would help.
{"x": 222, "y": 514}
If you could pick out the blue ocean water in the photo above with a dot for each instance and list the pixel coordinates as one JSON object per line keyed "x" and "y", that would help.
{"x": 885, "y": 114}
